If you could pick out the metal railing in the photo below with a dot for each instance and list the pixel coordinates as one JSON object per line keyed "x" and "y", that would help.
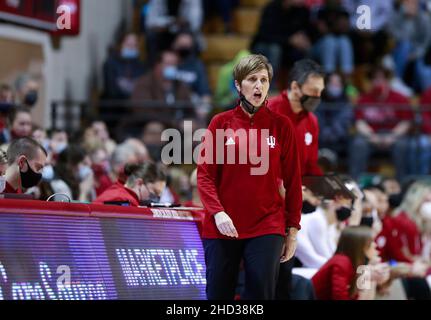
{"x": 72, "y": 116}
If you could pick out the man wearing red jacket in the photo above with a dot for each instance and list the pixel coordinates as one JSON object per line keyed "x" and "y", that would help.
{"x": 306, "y": 83}
{"x": 245, "y": 214}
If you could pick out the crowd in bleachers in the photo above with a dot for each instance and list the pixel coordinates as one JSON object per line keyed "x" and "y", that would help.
{"x": 376, "y": 77}
{"x": 386, "y": 230}
{"x": 376, "y": 102}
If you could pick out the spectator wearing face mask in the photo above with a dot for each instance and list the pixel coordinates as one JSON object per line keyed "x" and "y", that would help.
{"x": 59, "y": 142}
{"x": 19, "y": 125}
{"x": 40, "y": 135}
{"x": 298, "y": 102}
{"x": 122, "y": 69}
{"x": 161, "y": 83}
{"x": 391, "y": 186}
{"x": 184, "y": 45}
{"x": 73, "y": 174}
{"x": 335, "y": 116}
{"x": 26, "y": 159}
{"x": 27, "y": 90}
{"x": 383, "y": 119}
{"x": 318, "y": 237}
{"x": 389, "y": 240}
{"x": 369, "y": 212}
{"x": 192, "y": 69}
{"x": 145, "y": 182}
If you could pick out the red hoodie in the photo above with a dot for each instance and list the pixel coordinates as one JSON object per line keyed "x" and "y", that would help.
{"x": 307, "y": 133}
{"x": 253, "y": 202}
{"x": 118, "y": 192}
{"x": 334, "y": 278}
{"x": 409, "y": 233}
{"x": 10, "y": 189}
{"x": 389, "y": 241}
{"x": 383, "y": 114}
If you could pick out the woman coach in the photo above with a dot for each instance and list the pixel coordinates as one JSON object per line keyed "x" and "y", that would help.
{"x": 246, "y": 218}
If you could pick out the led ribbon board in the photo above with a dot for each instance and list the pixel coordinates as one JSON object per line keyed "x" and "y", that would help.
{"x": 98, "y": 258}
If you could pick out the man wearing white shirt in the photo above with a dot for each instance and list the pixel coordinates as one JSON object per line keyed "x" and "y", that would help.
{"x": 318, "y": 238}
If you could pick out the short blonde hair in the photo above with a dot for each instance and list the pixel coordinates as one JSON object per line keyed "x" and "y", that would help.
{"x": 250, "y": 64}
{"x": 413, "y": 200}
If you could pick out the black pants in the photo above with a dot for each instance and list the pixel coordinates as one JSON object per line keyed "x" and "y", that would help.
{"x": 284, "y": 283}
{"x": 417, "y": 288}
{"x": 261, "y": 256}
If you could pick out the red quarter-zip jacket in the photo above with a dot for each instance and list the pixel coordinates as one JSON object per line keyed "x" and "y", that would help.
{"x": 118, "y": 192}
{"x": 253, "y": 202}
{"x": 307, "y": 133}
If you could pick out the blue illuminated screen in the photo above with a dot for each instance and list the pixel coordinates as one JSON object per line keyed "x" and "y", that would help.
{"x": 89, "y": 258}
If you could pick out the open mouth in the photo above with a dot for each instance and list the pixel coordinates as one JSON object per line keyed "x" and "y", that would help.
{"x": 257, "y": 95}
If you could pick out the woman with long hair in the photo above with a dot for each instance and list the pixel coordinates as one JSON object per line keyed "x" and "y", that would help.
{"x": 409, "y": 220}
{"x": 338, "y": 278}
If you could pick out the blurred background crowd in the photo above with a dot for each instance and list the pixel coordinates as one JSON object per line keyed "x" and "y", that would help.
{"x": 150, "y": 65}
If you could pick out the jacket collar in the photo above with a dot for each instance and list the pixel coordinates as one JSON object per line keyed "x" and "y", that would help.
{"x": 289, "y": 111}
{"x": 261, "y": 114}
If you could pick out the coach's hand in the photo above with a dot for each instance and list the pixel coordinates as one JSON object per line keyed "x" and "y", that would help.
{"x": 225, "y": 225}
{"x": 289, "y": 246}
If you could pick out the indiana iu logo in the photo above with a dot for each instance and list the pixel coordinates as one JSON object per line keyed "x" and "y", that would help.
{"x": 271, "y": 142}
{"x": 308, "y": 138}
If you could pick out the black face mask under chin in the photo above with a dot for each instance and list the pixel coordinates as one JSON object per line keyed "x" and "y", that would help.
{"x": 307, "y": 207}
{"x": 367, "y": 221}
{"x": 343, "y": 213}
{"x": 250, "y": 108}
{"x": 29, "y": 178}
{"x": 30, "y": 98}
{"x": 310, "y": 103}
